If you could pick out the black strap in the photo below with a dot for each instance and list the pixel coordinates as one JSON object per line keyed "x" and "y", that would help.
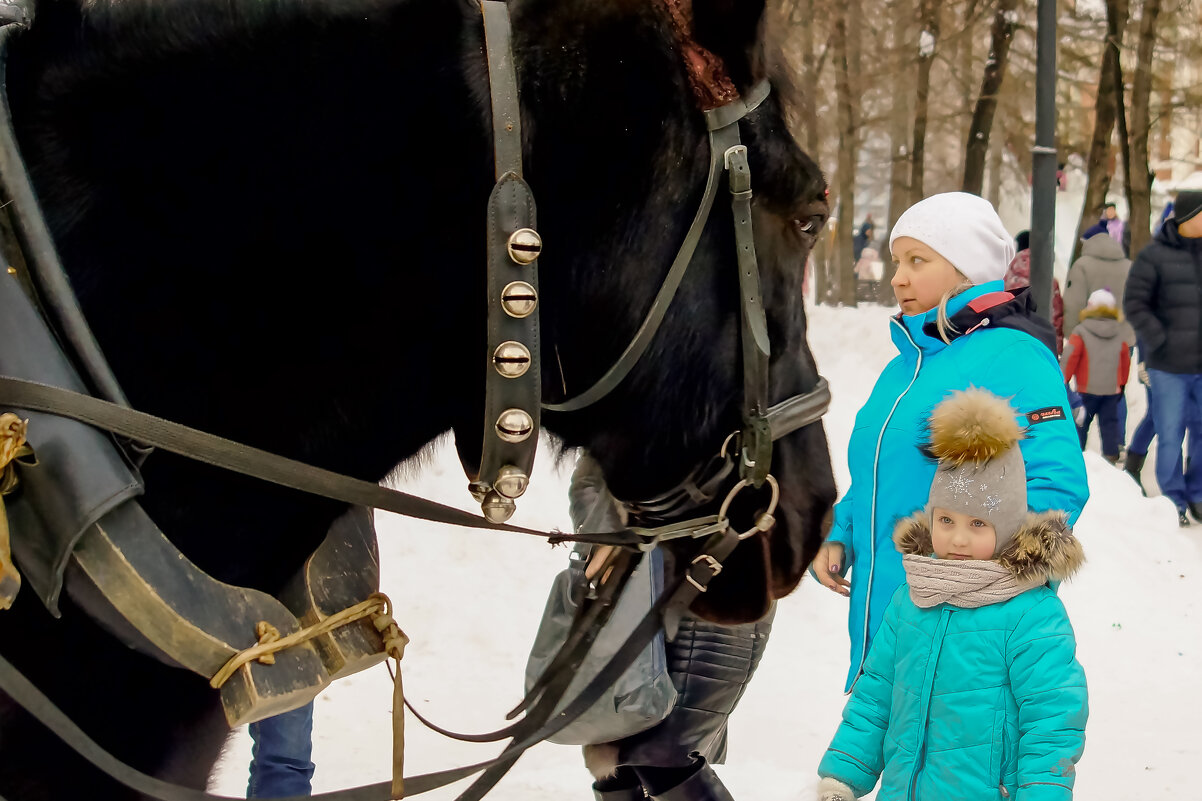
{"x": 239, "y": 458}
{"x": 503, "y": 89}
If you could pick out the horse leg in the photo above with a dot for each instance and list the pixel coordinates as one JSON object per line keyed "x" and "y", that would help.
{"x": 164, "y": 721}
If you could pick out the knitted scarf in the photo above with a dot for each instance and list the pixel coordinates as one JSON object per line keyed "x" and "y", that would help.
{"x": 967, "y": 584}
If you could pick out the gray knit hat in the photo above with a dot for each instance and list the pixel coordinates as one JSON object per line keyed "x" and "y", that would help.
{"x": 974, "y": 434}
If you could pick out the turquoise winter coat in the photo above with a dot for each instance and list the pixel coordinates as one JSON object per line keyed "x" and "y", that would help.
{"x": 891, "y": 425}
{"x": 985, "y": 704}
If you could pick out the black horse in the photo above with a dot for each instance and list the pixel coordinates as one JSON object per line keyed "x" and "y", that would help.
{"x": 272, "y": 213}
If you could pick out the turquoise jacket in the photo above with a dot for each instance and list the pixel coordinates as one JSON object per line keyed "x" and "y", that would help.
{"x": 984, "y": 704}
{"x": 890, "y": 477}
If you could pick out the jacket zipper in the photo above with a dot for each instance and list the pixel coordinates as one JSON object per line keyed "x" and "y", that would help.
{"x": 876, "y": 465}
{"x": 928, "y": 690}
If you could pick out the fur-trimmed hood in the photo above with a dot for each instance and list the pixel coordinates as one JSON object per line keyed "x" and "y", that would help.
{"x": 1043, "y": 547}
{"x": 1100, "y": 313}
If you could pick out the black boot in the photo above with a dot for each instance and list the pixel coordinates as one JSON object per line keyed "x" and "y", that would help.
{"x": 622, "y": 794}
{"x": 1195, "y": 509}
{"x": 1134, "y": 466}
{"x": 704, "y": 785}
{"x": 1182, "y": 520}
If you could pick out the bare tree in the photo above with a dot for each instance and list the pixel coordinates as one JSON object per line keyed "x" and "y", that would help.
{"x": 846, "y": 80}
{"x": 928, "y": 39}
{"x": 1140, "y": 218}
{"x": 1105, "y": 112}
{"x": 901, "y": 109}
{"x": 1005, "y": 21}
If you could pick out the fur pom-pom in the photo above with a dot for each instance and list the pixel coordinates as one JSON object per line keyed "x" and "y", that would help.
{"x": 972, "y": 425}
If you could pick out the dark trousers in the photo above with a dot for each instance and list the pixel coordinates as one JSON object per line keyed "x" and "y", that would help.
{"x": 1106, "y": 409}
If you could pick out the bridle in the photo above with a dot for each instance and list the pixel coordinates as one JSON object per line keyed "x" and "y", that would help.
{"x": 513, "y": 392}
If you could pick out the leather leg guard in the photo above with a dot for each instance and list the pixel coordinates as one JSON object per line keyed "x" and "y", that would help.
{"x": 704, "y": 785}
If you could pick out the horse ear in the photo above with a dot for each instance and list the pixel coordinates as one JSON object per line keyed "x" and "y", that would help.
{"x": 730, "y": 29}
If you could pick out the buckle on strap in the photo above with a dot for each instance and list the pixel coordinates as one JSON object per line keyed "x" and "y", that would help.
{"x": 713, "y": 564}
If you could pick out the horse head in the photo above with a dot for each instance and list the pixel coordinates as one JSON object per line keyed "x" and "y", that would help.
{"x": 618, "y": 157}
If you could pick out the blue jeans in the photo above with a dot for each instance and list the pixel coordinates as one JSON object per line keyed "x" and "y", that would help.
{"x": 281, "y": 758}
{"x": 1146, "y": 430}
{"x": 1174, "y": 399}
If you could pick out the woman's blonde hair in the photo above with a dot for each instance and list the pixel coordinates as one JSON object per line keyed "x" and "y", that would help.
{"x": 942, "y": 324}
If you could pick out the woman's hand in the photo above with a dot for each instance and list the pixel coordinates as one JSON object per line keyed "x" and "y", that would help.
{"x": 828, "y": 566}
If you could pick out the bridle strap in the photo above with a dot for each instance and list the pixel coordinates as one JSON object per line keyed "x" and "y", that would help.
{"x": 730, "y": 115}
{"x": 513, "y": 374}
{"x": 799, "y": 411}
{"x": 503, "y": 89}
{"x": 756, "y": 443}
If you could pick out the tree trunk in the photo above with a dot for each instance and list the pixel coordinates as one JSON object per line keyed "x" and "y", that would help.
{"x": 900, "y": 120}
{"x": 964, "y": 56}
{"x": 1105, "y": 110}
{"x": 1005, "y": 21}
{"x": 1140, "y": 218}
{"x": 844, "y": 78}
{"x": 928, "y": 39}
{"x": 1120, "y": 101}
{"x": 809, "y": 116}
{"x": 996, "y": 164}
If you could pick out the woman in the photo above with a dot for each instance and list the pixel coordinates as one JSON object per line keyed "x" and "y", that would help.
{"x": 958, "y": 328}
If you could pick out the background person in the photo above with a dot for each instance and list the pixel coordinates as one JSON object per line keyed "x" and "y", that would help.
{"x": 1098, "y": 358}
{"x": 1164, "y": 303}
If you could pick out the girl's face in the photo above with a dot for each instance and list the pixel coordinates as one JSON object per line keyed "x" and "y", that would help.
{"x": 956, "y": 535}
{"x": 922, "y": 276}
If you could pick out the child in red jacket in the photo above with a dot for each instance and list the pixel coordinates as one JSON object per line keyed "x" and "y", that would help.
{"x": 1098, "y": 357}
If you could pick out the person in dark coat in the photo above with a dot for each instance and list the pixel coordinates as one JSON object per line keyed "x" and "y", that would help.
{"x": 1164, "y": 303}
{"x": 710, "y": 665}
{"x": 861, "y": 239}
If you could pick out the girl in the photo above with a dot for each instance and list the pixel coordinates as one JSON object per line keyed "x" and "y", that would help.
{"x": 972, "y": 690}
{"x": 957, "y": 328}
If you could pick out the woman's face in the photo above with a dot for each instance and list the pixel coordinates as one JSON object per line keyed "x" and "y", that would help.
{"x": 922, "y": 276}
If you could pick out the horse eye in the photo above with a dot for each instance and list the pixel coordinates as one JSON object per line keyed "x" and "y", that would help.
{"x": 808, "y": 226}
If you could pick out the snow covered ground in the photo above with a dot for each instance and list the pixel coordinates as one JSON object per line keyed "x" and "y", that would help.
{"x": 470, "y": 600}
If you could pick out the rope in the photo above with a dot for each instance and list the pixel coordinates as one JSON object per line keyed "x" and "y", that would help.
{"x": 378, "y": 608}
{"x": 12, "y": 448}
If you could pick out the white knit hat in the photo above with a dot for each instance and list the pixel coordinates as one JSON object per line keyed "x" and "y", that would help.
{"x": 1100, "y": 297}
{"x": 962, "y": 228}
